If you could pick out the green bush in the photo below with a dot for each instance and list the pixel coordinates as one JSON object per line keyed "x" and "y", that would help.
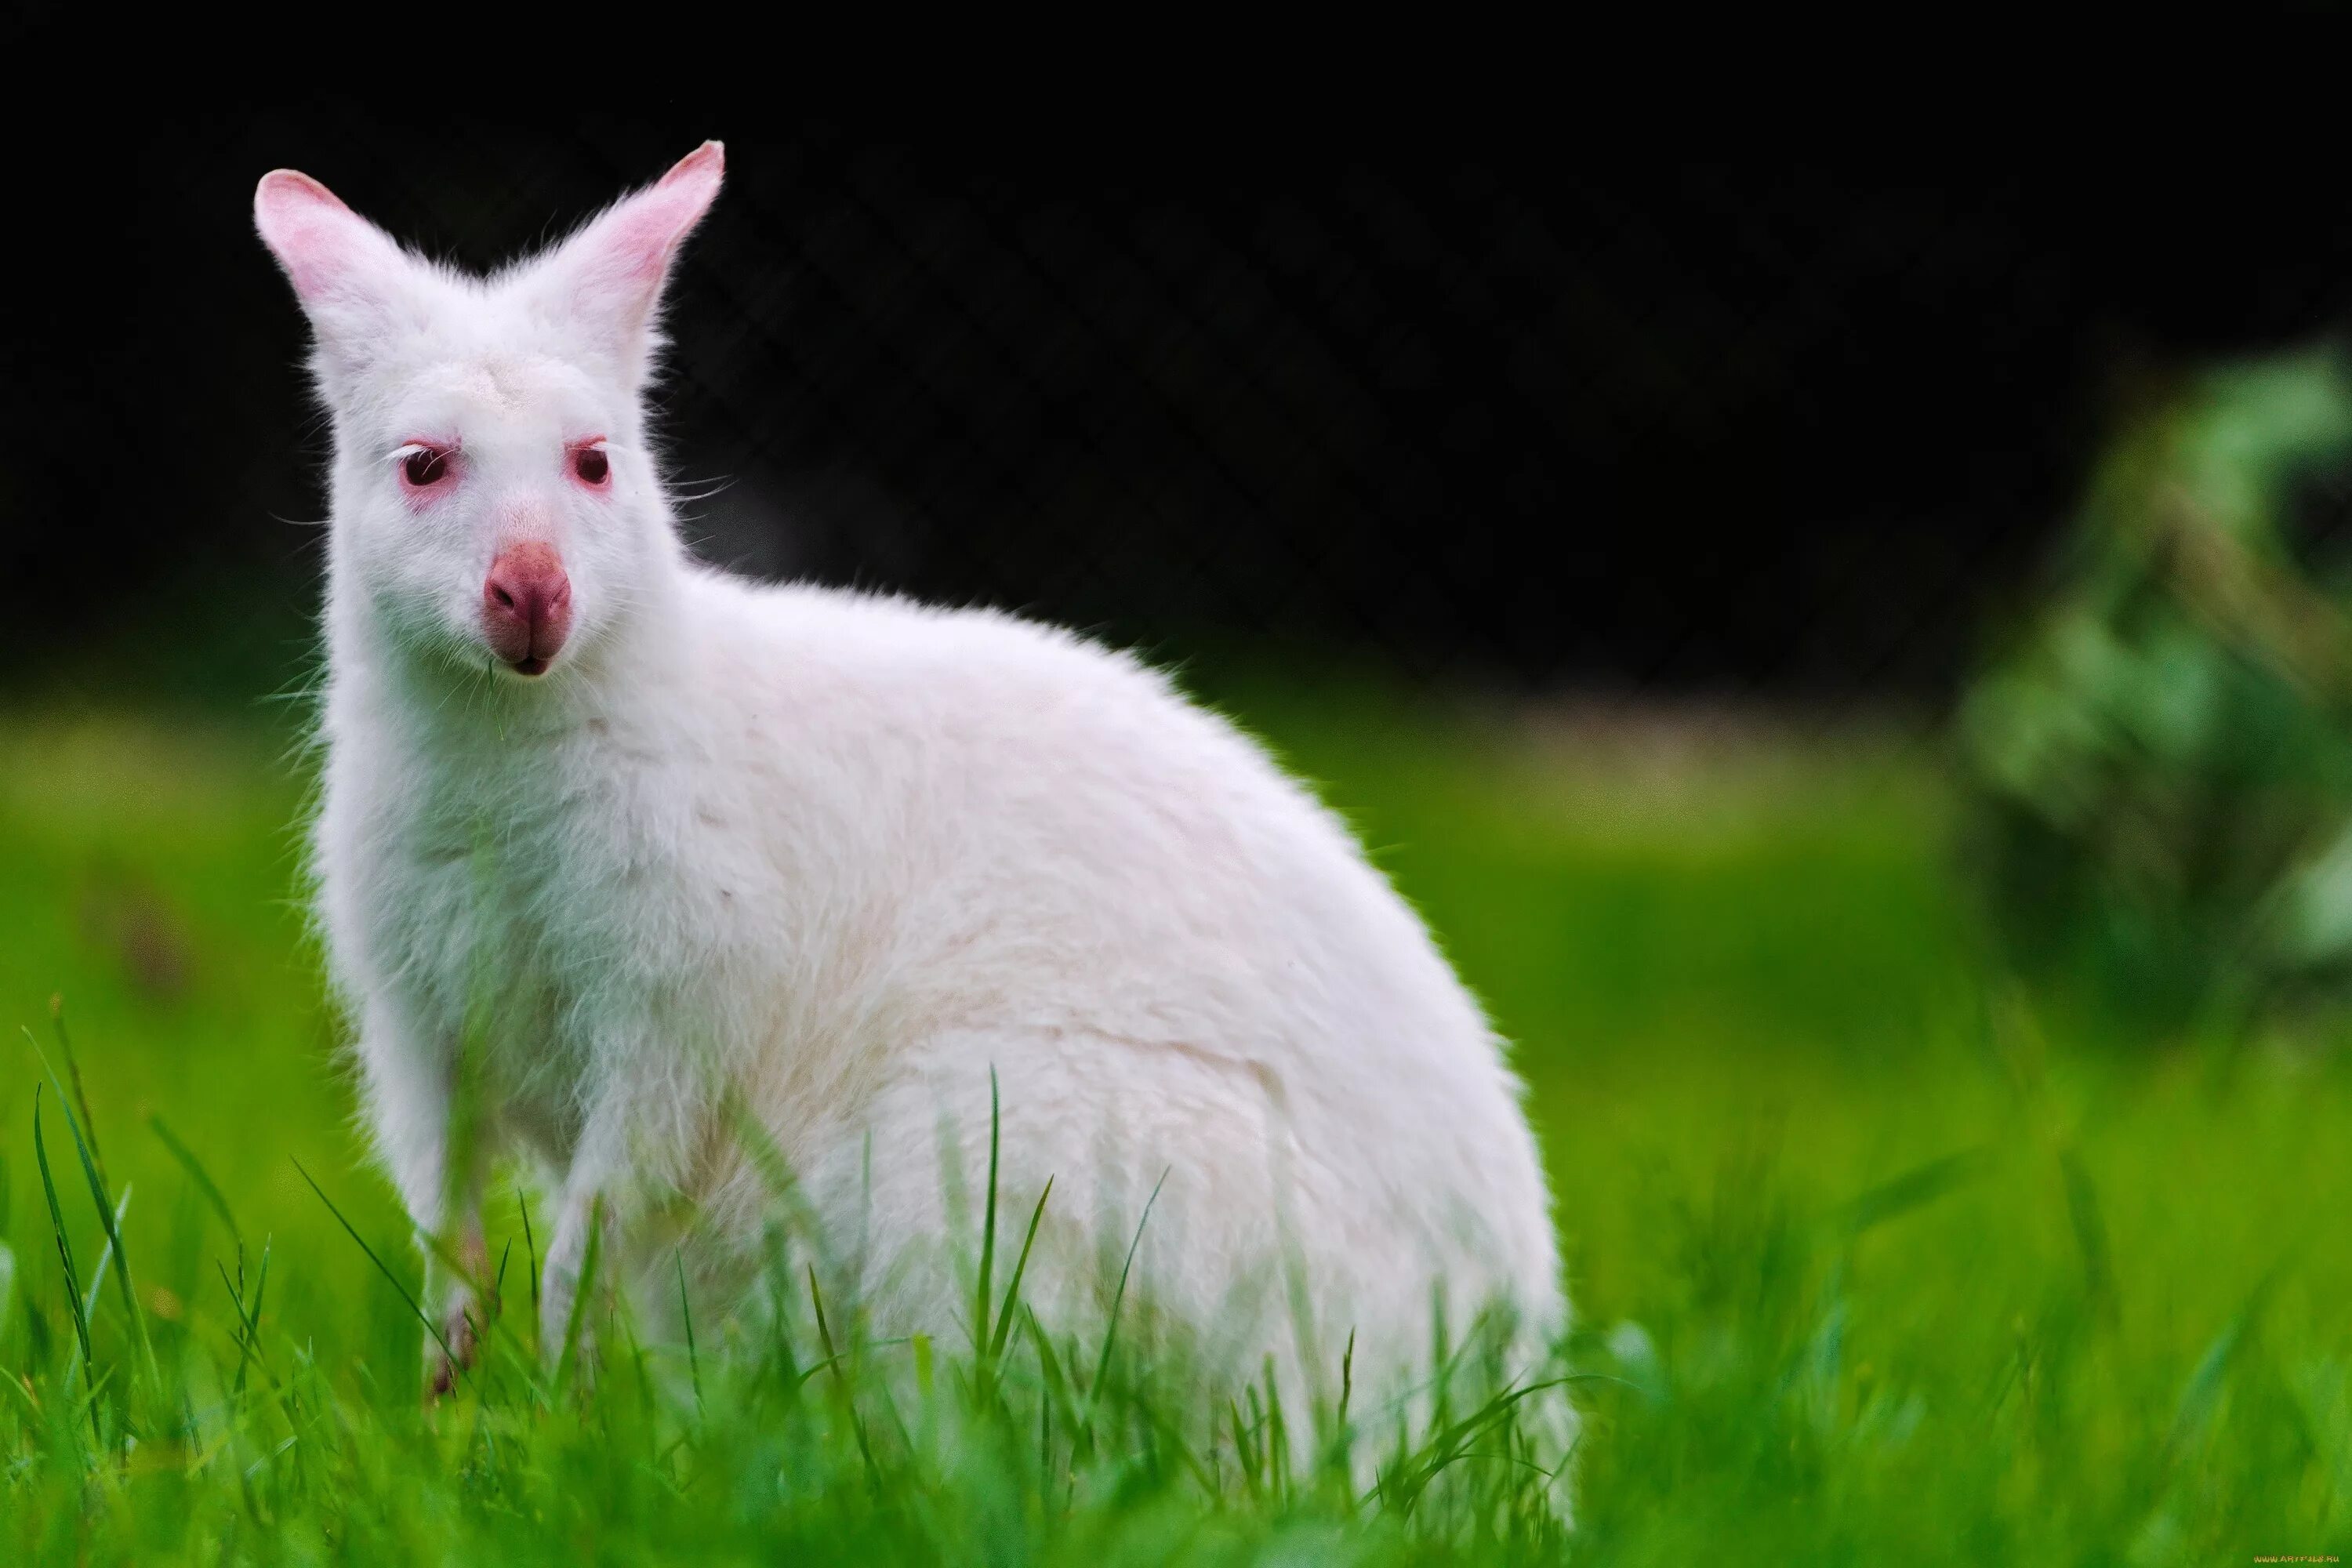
{"x": 2161, "y": 764}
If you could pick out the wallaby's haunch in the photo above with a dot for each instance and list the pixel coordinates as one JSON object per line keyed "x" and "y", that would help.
{"x": 616, "y": 851}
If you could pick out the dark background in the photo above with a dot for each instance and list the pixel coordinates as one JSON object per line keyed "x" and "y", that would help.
{"x": 1457, "y": 392}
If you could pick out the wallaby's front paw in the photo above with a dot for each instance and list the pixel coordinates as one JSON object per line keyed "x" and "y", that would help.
{"x": 461, "y": 1332}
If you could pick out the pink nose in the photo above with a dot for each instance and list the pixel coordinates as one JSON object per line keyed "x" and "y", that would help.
{"x": 527, "y": 606}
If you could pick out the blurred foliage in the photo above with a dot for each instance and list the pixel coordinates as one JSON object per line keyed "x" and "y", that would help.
{"x": 2161, "y": 764}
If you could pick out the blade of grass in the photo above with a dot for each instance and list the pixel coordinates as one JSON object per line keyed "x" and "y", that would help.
{"x": 1118, "y": 1297}
{"x": 249, "y": 1319}
{"x": 686, "y": 1311}
{"x": 253, "y": 1317}
{"x": 582, "y": 1290}
{"x": 841, "y": 1379}
{"x": 775, "y": 1173}
{"x": 198, "y": 1173}
{"x": 530, "y": 1251}
{"x": 824, "y": 1330}
{"x": 381, "y": 1267}
{"x": 105, "y": 1255}
{"x": 980, "y": 1297}
{"x": 2090, "y": 1236}
{"x": 73, "y": 1072}
{"x": 1020, "y": 1267}
{"x": 2203, "y": 1390}
{"x": 1056, "y": 1395}
{"x": 1347, "y": 1374}
{"x": 104, "y": 1201}
{"x": 1914, "y": 1188}
{"x": 1453, "y": 1442}
{"x": 65, "y": 1257}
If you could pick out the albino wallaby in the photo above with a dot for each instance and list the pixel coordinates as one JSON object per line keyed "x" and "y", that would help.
{"x": 619, "y": 856}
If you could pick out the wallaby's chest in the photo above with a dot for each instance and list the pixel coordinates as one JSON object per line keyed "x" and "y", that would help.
{"x": 528, "y": 918}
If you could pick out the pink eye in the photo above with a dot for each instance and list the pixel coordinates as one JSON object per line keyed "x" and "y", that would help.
{"x": 590, "y": 465}
{"x": 425, "y": 468}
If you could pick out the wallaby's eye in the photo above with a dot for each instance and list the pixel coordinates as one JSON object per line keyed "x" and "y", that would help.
{"x": 422, "y": 467}
{"x": 592, "y": 467}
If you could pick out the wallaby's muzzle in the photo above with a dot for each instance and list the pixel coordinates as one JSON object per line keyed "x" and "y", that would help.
{"x": 527, "y": 607}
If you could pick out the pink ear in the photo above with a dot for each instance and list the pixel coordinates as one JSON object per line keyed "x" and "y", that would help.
{"x": 328, "y": 251}
{"x": 651, "y": 223}
{"x": 614, "y": 269}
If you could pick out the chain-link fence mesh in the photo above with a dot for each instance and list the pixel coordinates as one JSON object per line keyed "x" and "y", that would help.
{"x": 1471, "y": 407}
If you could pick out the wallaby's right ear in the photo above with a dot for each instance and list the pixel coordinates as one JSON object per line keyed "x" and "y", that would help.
{"x": 349, "y": 274}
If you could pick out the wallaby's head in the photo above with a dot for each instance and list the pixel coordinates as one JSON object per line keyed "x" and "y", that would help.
{"x": 494, "y": 500}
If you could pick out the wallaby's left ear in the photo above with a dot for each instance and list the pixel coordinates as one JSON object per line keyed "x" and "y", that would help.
{"x": 606, "y": 281}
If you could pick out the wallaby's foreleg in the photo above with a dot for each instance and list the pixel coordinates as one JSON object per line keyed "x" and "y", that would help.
{"x": 410, "y": 1099}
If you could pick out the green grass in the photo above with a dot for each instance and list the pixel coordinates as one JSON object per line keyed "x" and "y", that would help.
{"x": 1875, "y": 1258}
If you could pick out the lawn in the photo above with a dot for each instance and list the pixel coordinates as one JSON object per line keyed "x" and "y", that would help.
{"x": 1875, "y": 1256}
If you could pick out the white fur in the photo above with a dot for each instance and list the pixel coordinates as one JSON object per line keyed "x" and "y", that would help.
{"x": 834, "y": 858}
